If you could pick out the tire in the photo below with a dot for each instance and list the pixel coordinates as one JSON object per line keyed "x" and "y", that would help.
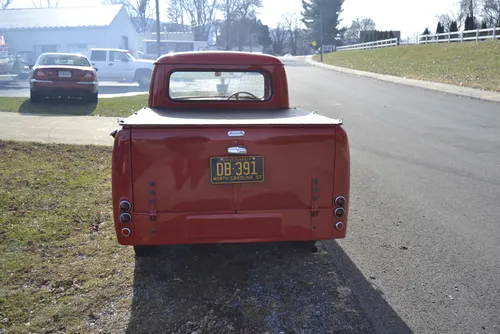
{"x": 92, "y": 97}
{"x": 145, "y": 251}
{"x": 143, "y": 77}
{"x": 35, "y": 97}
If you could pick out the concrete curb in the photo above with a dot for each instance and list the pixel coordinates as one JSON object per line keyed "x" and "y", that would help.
{"x": 428, "y": 85}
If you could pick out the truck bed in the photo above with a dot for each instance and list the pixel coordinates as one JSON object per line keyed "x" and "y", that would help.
{"x": 203, "y": 117}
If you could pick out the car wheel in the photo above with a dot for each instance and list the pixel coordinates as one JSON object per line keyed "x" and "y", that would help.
{"x": 92, "y": 97}
{"x": 145, "y": 251}
{"x": 35, "y": 97}
{"x": 143, "y": 78}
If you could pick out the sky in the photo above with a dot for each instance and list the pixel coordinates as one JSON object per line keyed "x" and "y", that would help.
{"x": 408, "y": 16}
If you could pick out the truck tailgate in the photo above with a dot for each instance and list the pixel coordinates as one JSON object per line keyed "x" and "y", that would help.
{"x": 189, "y": 169}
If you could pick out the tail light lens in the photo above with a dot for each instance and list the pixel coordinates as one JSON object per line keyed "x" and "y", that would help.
{"x": 340, "y": 201}
{"x": 125, "y": 218}
{"x": 125, "y": 206}
{"x": 89, "y": 76}
{"x": 339, "y": 212}
{"x": 339, "y": 226}
{"x": 39, "y": 74}
{"x": 126, "y": 232}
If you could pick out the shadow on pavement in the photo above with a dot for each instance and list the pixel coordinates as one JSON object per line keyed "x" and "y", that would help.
{"x": 382, "y": 316}
{"x": 247, "y": 288}
{"x": 58, "y": 107}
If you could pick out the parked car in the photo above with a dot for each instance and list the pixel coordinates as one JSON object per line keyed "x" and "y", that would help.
{"x": 118, "y": 65}
{"x": 225, "y": 159}
{"x": 63, "y": 75}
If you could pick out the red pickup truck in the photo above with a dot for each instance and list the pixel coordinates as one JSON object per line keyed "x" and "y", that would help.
{"x": 219, "y": 156}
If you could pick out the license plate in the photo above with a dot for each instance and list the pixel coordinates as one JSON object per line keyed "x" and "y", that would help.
{"x": 224, "y": 170}
{"x": 64, "y": 74}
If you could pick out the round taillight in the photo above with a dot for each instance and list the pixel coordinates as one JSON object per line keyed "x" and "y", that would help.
{"x": 339, "y": 212}
{"x": 340, "y": 201}
{"x": 126, "y": 232}
{"x": 125, "y": 206}
{"x": 339, "y": 226}
{"x": 125, "y": 218}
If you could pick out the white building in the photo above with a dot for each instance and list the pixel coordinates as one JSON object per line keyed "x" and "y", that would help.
{"x": 33, "y": 31}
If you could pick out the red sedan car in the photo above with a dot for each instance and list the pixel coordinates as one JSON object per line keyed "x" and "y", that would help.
{"x": 63, "y": 75}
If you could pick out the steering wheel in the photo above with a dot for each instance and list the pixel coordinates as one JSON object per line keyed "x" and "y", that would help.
{"x": 237, "y": 95}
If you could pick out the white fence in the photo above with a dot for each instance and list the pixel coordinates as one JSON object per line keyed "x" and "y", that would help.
{"x": 370, "y": 45}
{"x": 448, "y": 37}
{"x": 460, "y": 36}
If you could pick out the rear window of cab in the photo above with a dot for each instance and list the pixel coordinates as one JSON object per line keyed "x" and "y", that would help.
{"x": 219, "y": 86}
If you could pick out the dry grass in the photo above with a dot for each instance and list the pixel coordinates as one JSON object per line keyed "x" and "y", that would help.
{"x": 61, "y": 264}
{"x": 471, "y": 64}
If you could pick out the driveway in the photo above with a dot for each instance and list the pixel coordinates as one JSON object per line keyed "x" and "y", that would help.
{"x": 424, "y": 218}
{"x": 422, "y": 248}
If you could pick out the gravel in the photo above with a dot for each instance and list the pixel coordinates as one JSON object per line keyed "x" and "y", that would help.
{"x": 239, "y": 288}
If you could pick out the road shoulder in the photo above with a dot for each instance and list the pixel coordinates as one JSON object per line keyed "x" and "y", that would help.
{"x": 428, "y": 85}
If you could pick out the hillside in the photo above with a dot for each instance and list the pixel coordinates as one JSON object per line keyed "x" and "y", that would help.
{"x": 471, "y": 64}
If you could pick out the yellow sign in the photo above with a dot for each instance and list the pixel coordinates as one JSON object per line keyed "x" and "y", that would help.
{"x": 313, "y": 43}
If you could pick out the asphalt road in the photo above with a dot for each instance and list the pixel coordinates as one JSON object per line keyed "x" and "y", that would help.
{"x": 106, "y": 89}
{"x": 421, "y": 253}
{"x": 425, "y": 216}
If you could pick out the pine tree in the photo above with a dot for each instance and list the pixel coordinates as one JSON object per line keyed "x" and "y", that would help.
{"x": 439, "y": 27}
{"x": 453, "y": 26}
{"x": 426, "y": 32}
{"x": 325, "y": 14}
{"x": 467, "y": 23}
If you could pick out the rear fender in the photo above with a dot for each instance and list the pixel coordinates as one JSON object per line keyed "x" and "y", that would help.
{"x": 342, "y": 179}
{"x": 121, "y": 180}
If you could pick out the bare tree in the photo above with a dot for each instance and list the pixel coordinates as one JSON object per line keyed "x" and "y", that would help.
{"x": 201, "y": 14}
{"x": 5, "y": 3}
{"x": 292, "y": 25}
{"x": 468, "y": 7}
{"x": 491, "y": 12}
{"x": 450, "y": 16}
{"x": 175, "y": 12}
{"x": 278, "y": 36}
{"x": 353, "y": 33}
{"x": 141, "y": 12}
{"x": 45, "y": 3}
{"x": 234, "y": 10}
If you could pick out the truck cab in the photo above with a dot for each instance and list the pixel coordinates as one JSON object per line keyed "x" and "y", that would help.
{"x": 118, "y": 64}
{"x": 219, "y": 156}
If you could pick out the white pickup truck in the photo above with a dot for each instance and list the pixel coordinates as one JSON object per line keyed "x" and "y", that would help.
{"x": 118, "y": 65}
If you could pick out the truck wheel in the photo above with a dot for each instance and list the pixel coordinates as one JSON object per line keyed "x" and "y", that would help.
{"x": 145, "y": 251}
{"x": 35, "y": 97}
{"x": 143, "y": 77}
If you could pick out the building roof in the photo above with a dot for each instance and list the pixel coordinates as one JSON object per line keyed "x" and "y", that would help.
{"x": 219, "y": 58}
{"x": 58, "y": 17}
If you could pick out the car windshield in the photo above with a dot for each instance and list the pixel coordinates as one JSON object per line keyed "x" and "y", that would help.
{"x": 225, "y": 85}
{"x": 130, "y": 57}
{"x": 55, "y": 59}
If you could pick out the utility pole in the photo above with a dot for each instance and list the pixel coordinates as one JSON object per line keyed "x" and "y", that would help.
{"x": 158, "y": 43}
{"x": 321, "y": 30}
{"x": 228, "y": 41}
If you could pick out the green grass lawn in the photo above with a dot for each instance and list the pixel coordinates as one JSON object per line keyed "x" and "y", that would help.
{"x": 115, "y": 107}
{"x": 60, "y": 263}
{"x": 469, "y": 64}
